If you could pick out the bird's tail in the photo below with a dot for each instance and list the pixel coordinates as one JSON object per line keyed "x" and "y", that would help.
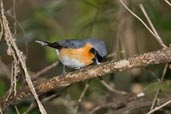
{"x": 43, "y": 43}
{"x": 55, "y": 45}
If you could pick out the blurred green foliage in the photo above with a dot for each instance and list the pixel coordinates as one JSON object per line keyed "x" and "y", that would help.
{"x": 164, "y": 87}
{"x": 3, "y": 88}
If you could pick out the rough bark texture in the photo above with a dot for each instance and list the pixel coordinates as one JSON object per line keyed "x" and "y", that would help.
{"x": 156, "y": 57}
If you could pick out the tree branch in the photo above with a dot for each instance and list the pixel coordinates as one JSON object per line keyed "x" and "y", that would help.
{"x": 156, "y": 57}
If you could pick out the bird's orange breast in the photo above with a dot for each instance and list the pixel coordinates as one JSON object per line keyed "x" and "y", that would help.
{"x": 82, "y": 54}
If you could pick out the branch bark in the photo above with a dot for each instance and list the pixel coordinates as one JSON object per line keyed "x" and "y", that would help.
{"x": 156, "y": 57}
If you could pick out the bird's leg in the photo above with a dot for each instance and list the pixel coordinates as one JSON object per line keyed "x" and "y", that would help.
{"x": 95, "y": 53}
{"x": 97, "y": 62}
{"x": 63, "y": 71}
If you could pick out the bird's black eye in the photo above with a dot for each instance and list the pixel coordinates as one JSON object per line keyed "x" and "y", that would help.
{"x": 92, "y": 50}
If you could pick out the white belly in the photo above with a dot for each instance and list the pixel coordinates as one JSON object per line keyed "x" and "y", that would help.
{"x": 72, "y": 63}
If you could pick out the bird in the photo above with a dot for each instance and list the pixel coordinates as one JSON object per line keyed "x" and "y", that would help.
{"x": 78, "y": 53}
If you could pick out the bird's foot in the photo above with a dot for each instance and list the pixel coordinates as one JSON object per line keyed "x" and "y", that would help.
{"x": 63, "y": 74}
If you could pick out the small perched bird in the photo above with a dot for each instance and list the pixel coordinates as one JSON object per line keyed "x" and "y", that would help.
{"x": 78, "y": 53}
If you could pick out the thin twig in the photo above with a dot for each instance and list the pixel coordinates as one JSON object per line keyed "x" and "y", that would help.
{"x": 158, "y": 38}
{"x": 1, "y": 111}
{"x": 148, "y": 28}
{"x": 154, "y": 75}
{"x": 44, "y": 70}
{"x": 16, "y": 108}
{"x": 158, "y": 89}
{"x": 15, "y": 80}
{"x": 168, "y": 2}
{"x": 159, "y": 107}
{"x": 136, "y": 104}
{"x": 11, "y": 84}
{"x": 14, "y": 15}
{"x": 31, "y": 107}
{"x": 23, "y": 31}
{"x": 11, "y": 42}
{"x": 34, "y": 105}
{"x": 103, "y": 106}
{"x": 104, "y": 83}
{"x": 2, "y": 29}
{"x": 81, "y": 97}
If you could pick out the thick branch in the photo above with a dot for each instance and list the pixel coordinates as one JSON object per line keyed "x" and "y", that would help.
{"x": 156, "y": 57}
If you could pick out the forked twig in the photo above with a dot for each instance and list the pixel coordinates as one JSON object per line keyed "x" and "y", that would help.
{"x": 22, "y": 29}
{"x": 148, "y": 28}
{"x": 158, "y": 38}
{"x": 159, "y": 107}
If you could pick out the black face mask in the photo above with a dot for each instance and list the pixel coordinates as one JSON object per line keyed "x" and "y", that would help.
{"x": 97, "y": 56}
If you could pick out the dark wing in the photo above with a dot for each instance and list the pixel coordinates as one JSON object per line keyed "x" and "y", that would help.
{"x": 99, "y": 46}
{"x": 74, "y": 43}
